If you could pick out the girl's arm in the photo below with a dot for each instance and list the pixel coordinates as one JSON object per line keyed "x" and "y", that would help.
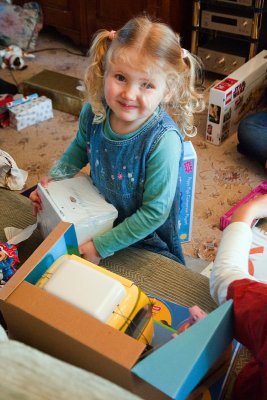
{"x": 75, "y": 157}
{"x": 160, "y": 186}
{"x": 231, "y": 262}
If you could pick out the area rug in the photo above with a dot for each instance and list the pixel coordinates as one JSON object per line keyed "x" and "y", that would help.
{"x": 223, "y": 175}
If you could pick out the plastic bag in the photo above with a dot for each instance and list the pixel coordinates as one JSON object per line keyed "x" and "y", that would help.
{"x": 11, "y": 176}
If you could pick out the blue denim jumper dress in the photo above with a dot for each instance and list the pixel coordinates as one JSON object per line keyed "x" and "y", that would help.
{"x": 117, "y": 169}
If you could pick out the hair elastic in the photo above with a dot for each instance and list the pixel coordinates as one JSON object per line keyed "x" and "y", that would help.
{"x": 184, "y": 53}
{"x": 112, "y": 35}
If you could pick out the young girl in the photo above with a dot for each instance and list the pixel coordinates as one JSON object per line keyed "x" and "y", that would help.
{"x": 137, "y": 77}
{"x": 230, "y": 279}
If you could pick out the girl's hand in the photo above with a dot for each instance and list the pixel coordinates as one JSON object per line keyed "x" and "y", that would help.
{"x": 89, "y": 252}
{"x": 253, "y": 209}
{"x": 35, "y": 198}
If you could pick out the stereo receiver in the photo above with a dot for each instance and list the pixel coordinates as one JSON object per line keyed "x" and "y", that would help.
{"x": 260, "y": 4}
{"x": 238, "y": 2}
{"x": 226, "y": 23}
{"x": 219, "y": 62}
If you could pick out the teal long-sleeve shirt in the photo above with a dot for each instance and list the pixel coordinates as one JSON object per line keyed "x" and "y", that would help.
{"x": 159, "y": 188}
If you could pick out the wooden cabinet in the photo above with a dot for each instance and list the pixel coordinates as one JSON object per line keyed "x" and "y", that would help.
{"x": 80, "y": 19}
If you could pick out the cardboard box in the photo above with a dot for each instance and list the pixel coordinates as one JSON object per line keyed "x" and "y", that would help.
{"x": 60, "y": 88}
{"x": 48, "y": 323}
{"x": 75, "y": 200}
{"x": 30, "y": 113}
{"x": 234, "y": 97}
{"x": 187, "y": 191}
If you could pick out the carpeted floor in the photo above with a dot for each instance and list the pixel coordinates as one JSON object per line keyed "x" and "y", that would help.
{"x": 223, "y": 175}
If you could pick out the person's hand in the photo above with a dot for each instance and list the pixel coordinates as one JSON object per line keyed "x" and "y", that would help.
{"x": 253, "y": 209}
{"x": 35, "y": 198}
{"x": 89, "y": 252}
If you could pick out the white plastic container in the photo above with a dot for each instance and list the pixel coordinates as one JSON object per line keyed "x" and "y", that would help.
{"x": 75, "y": 200}
{"x": 88, "y": 289}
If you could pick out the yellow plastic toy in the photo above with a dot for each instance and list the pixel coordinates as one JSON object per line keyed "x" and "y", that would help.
{"x": 107, "y": 296}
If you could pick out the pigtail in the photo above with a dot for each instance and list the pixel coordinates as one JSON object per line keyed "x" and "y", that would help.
{"x": 94, "y": 75}
{"x": 193, "y": 100}
{"x": 185, "y": 99}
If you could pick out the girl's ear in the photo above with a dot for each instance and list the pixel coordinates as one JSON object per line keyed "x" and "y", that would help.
{"x": 167, "y": 97}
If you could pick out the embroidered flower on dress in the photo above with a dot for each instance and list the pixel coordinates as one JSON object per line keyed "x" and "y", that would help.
{"x": 130, "y": 176}
{"x": 120, "y": 176}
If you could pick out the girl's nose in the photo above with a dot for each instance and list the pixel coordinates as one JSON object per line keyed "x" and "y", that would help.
{"x": 130, "y": 92}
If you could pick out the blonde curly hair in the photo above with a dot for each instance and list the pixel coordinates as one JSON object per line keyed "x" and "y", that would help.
{"x": 158, "y": 46}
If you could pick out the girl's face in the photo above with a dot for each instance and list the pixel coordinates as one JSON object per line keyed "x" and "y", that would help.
{"x": 132, "y": 93}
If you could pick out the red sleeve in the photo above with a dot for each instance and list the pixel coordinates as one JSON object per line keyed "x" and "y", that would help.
{"x": 250, "y": 329}
{"x": 250, "y": 313}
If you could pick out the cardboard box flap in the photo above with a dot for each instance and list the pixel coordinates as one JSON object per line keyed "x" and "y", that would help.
{"x": 70, "y": 322}
{"x": 179, "y": 365}
{"x": 62, "y": 240}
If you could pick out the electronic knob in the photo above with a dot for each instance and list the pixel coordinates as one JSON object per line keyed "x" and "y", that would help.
{"x": 207, "y": 57}
{"x": 245, "y": 23}
{"x": 221, "y": 62}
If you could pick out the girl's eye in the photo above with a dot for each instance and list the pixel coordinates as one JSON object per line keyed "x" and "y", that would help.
{"x": 147, "y": 85}
{"x": 120, "y": 77}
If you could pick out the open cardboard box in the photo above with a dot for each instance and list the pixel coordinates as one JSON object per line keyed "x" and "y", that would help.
{"x": 46, "y": 322}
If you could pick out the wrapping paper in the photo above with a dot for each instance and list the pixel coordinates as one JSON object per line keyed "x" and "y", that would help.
{"x": 30, "y": 113}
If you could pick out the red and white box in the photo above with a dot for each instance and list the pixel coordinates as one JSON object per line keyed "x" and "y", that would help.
{"x": 234, "y": 97}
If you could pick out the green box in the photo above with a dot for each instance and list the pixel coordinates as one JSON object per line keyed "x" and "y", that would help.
{"x": 60, "y": 88}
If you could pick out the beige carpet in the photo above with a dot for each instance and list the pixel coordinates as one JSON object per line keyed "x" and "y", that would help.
{"x": 223, "y": 175}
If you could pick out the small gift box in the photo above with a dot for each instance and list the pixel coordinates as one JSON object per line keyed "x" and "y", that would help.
{"x": 4, "y": 114}
{"x": 30, "y": 113}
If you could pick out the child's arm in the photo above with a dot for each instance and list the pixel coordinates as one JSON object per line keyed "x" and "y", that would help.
{"x": 231, "y": 262}
{"x": 89, "y": 252}
{"x": 254, "y": 209}
{"x": 35, "y": 198}
{"x": 74, "y": 158}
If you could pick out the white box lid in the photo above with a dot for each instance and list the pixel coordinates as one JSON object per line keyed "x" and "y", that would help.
{"x": 86, "y": 288}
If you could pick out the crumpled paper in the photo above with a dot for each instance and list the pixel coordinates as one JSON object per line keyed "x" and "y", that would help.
{"x": 11, "y": 176}
{"x": 16, "y": 235}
